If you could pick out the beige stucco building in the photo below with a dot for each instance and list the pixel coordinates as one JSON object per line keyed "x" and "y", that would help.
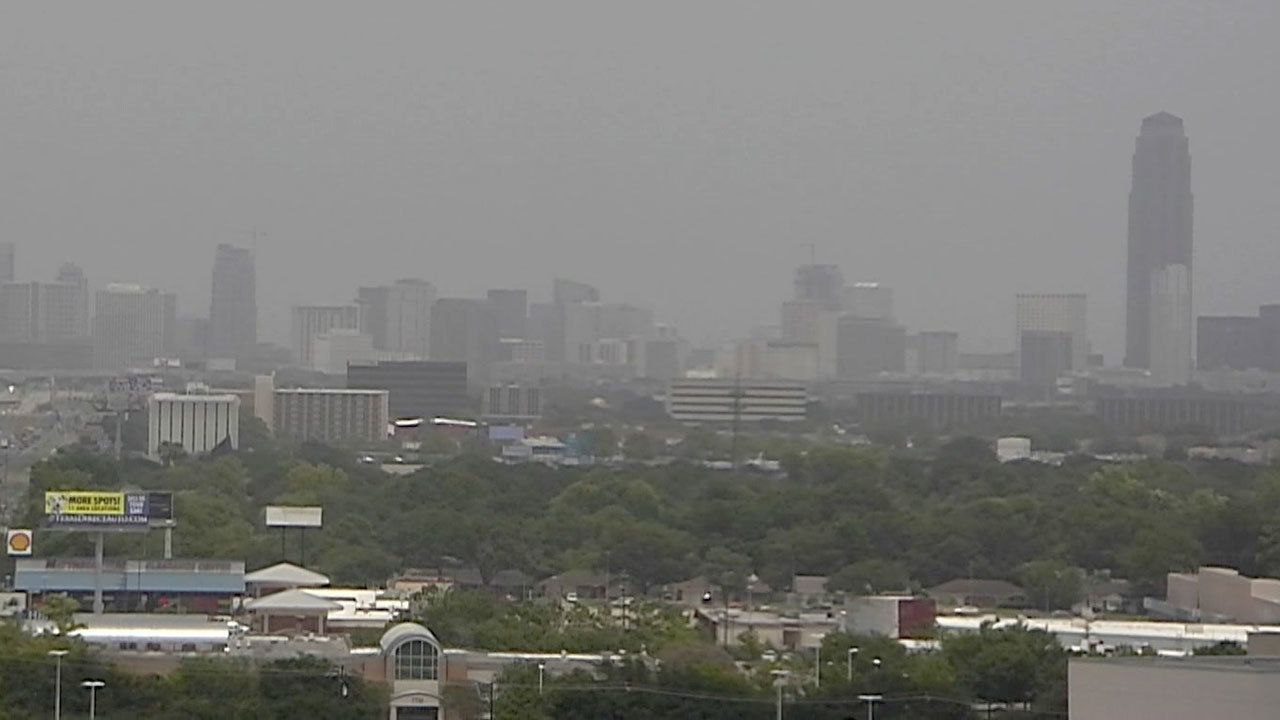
{"x": 1191, "y": 688}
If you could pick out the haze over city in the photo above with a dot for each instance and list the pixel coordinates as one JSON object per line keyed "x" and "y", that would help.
{"x": 678, "y": 156}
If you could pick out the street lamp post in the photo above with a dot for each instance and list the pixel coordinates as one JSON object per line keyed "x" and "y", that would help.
{"x": 92, "y": 686}
{"x": 541, "y": 668}
{"x": 871, "y": 701}
{"x": 817, "y": 673}
{"x": 779, "y": 679}
{"x": 853, "y": 652}
{"x": 57, "y": 683}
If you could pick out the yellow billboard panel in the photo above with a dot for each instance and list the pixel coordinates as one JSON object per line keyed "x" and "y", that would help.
{"x": 83, "y": 502}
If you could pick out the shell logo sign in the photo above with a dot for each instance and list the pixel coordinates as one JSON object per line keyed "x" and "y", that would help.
{"x": 19, "y": 542}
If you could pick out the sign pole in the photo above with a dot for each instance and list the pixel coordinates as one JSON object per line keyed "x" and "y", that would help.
{"x": 168, "y": 542}
{"x": 97, "y": 574}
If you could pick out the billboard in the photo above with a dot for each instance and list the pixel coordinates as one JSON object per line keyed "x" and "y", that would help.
{"x": 19, "y": 542}
{"x": 293, "y": 516}
{"x": 91, "y": 508}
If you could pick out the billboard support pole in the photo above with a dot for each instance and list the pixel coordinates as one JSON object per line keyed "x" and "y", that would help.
{"x": 97, "y": 574}
{"x": 168, "y": 542}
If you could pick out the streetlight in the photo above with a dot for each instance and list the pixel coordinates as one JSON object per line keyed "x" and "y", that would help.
{"x": 871, "y": 701}
{"x": 853, "y": 652}
{"x": 92, "y": 686}
{"x": 779, "y": 679}
{"x": 541, "y": 667}
{"x": 57, "y": 687}
{"x": 817, "y": 673}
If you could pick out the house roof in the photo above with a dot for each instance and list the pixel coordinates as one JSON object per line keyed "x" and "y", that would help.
{"x": 575, "y": 577}
{"x": 292, "y": 600}
{"x": 809, "y": 584}
{"x": 967, "y": 586}
{"x": 285, "y": 575}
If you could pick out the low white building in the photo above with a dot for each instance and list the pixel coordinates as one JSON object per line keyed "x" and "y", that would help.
{"x": 197, "y": 423}
{"x": 1190, "y": 688}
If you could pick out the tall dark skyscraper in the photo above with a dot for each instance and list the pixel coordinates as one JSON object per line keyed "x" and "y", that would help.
{"x": 1159, "y": 225}
{"x": 233, "y": 312}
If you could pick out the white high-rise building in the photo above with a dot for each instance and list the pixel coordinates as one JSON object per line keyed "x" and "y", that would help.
{"x": 398, "y": 316}
{"x": 1171, "y": 330}
{"x": 312, "y": 320}
{"x": 869, "y": 301}
{"x": 1065, "y": 313}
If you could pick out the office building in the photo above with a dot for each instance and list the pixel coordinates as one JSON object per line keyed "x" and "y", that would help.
{"x": 196, "y": 423}
{"x": 1160, "y": 228}
{"x": 335, "y": 416}
{"x": 521, "y": 351}
{"x": 1055, "y": 313}
{"x": 312, "y": 320}
{"x": 804, "y": 322}
{"x": 821, "y": 284}
{"x": 465, "y": 330}
{"x": 1170, "y": 330}
{"x": 1229, "y": 342}
{"x": 657, "y": 359}
{"x": 1043, "y": 357}
{"x": 333, "y": 350}
{"x": 233, "y": 309}
{"x": 1222, "y": 414}
{"x": 132, "y": 325}
{"x": 264, "y": 389}
{"x": 512, "y": 310}
{"x": 567, "y": 292}
{"x": 46, "y": 312}
{"x": 1173, "y": 688}
{"x": 937, "y": 352}
{"x": 512, "y": 403}
{"x": 418, "y": 388}
{"x": 1269, "y": 327}
{"x": 727, "y": 401}
{"x": 869, "y": 300}
{"x": 7, "y": 262}
{"x": 398, "y": 316}
{"x": 940, "y": 410}
{"x": 866, "y": 347}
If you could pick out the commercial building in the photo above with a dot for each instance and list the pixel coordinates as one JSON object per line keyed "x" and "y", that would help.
{"x": 132, "y": 325}
{"x": 417, "y": 388}
{"x": 197, "y": 423}
{"x": 1160, "y": 229}
{"x": 1064, "y": 313}
{"x": 869, "y": 300}
{"x": 1173, "y": 688}
{"x": 233, "y": 308}
{"x": 1217, "y": 594}
{"x": 1171, "y": 332}
{"x": 723, "y": 401}
{"x": 939, "y": 409}
{"x": 937, "y": 352}
{"x": 1220, "y": 413}
{"x": 334, "y": 349}
{"x": 328, "y": 415}
{"x": 1229, "y": 342}
{"x": 398, "y": 316}
{"x": 512, "y": 310}
{"x": 821, "y": 284}
{"x": 136, "y": 585}
{"x": 1043, "y": 357}
{"x": 894, "y": 616}
{"x": 465, "y": 330}
{"x": 55, "y": 312}
{"x": 513, "y": 402}
{"x": 312, "y": 320}
{"x": 804, "y": 322}
{"x": 866, "y": 347}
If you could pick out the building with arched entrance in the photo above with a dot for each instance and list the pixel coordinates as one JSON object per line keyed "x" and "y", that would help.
{"x": 413, "y": 667}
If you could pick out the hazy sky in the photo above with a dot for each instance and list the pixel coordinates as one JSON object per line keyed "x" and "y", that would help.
{"x": 679, "y": 154}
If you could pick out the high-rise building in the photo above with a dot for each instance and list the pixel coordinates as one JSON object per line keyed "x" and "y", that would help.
{"x": 334, "y": 349}
{"x": 512, "y": 403}
{"x": 937, "y": 351}
{"x": 7, "y": 262}
{"x": 233, "y": 309}
{"x": 1044, "y": 356}
{"x": 1229, "y": 342}
{"x": 1172, "y": 336}
{"x": 465, "y": 330}
{"x": 46, "y": 312}
{"x": 132, "y": 324}
{"x": 418, "y": 388}
{"x": 312, "y": 320}
{"x": 1269, "y": 344}
{"x": 398, "y": 316}
{"x": 868, "y": 347}
{"x": 1056, "y": 313}
{"x": 822, "y": 284}
{"x": 869, "y": 300}
{"x": 565, "y": 291}
{"x": 512, "y": 309}
{"x": 1160, "y": 227}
